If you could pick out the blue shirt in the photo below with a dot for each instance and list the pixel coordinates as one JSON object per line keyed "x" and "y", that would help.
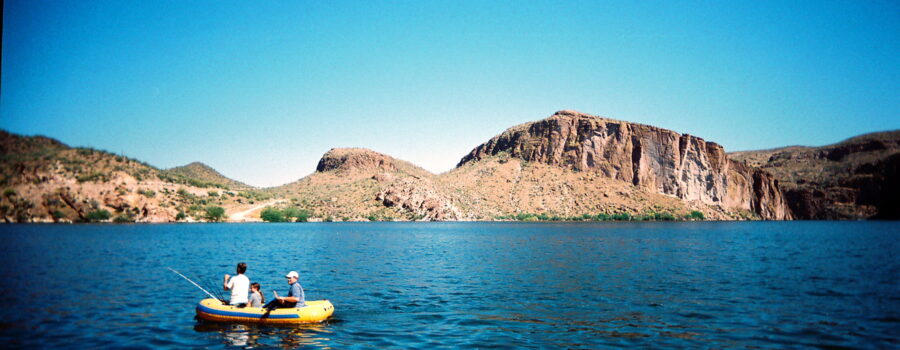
{"x": 297, "y": 291}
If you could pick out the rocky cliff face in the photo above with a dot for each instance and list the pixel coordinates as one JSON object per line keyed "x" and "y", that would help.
{"x": 419, "y": 197}
{"x": 663, "y": 161}
{"x": 853, "y": 179}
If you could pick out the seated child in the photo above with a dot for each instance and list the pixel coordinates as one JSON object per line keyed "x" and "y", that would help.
{"x": 256, "y": 297}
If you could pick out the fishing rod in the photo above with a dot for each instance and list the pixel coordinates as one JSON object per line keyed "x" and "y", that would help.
{"x": 195, "y": 284}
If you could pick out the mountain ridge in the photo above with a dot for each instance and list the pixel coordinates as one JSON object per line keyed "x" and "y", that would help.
{"x": 852, "y": 179}
{"x": 569, "y": 164}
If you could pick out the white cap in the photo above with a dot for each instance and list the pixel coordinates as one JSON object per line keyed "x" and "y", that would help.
{"x": 292, "y": 274}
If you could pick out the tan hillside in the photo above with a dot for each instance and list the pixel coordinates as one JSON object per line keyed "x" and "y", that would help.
{"x": 853, "y": 179}
{"x": 202, "y": 175}
{"x": 45, "y": 180}
{"x": 502, "y": 185}
{"x": 357, "y": 183}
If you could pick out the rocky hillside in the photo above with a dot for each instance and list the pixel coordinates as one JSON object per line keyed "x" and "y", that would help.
{"x": 853, "y": 179}
{"x": 44, "y": 180}
{"x": 361, "y": 184}
{"x": 656, "y": 160}
{"x": 568, "y": 165}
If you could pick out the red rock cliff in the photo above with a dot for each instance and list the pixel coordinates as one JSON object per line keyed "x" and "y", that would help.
{"x": 661, "y": 160}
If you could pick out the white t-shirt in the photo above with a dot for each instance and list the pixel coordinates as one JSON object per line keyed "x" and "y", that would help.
{"x": 240, "y": 286}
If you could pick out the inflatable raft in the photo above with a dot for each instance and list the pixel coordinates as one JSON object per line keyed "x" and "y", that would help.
{"x": 314, "y": 311}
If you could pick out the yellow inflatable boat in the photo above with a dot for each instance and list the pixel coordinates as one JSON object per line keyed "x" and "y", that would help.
{"x": 314, "y": 311}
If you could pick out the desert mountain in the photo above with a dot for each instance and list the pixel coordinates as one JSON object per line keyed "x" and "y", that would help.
{"x": 568, "y": 165}
{"x": 853, "y": 179}
{"x": 46, "y": 180}
{"x": 602, "y": 154}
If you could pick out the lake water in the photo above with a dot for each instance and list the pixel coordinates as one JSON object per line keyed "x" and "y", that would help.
{"x": 466, "y": 285}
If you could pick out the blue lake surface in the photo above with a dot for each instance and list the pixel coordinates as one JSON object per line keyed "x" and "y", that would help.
{"x": 462, "y": 285}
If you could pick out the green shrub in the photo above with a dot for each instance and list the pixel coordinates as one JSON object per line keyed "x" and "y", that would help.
{"x": 372, "y": 218}
{"x": 212, "y": 194}
{"x": 621, "y": 217}
{"x": 147, "y": 193}
{"x": 290, "y": 213}
{"x": 303, "y": 215}
{"x": 58, "y": 214}
{"x": 9, "y": 192}
{"x": 97, "y": 215}
{"x": 665, "y": 217}
{"x": 270, "y": 214}
{"x": 123, "y": 218}
{"x": 601, "y": 217}
{"x": 95, "y": 176}
{"x": 329, "y": 219}
{"x": 180, "y": 216}
{"x": 214, "y": 213}
{"x": 695, "y": 215}
{"x": 526, "y": 217}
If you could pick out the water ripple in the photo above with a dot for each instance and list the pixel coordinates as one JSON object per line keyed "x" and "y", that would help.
{"x": 463, "y": 285}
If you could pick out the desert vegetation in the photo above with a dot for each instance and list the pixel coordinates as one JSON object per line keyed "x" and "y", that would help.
{"x": 287, "y": 214}
{"x": 623, "y": 216}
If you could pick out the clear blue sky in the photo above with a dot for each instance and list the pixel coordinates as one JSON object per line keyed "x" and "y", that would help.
{"x": 260, "y": 90}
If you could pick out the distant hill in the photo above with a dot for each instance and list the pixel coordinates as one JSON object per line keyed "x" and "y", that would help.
{"x": 201, "y": 175}
{"x": 854, "y": 179}
{"x": 45, "y": 180}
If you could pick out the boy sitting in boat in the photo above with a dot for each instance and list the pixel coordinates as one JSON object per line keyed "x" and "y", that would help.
{"x": 239, "y": 286}
{"x": 295, "y": 296}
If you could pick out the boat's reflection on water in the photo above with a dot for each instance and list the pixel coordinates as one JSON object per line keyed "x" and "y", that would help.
{"x": 254, "y": 335}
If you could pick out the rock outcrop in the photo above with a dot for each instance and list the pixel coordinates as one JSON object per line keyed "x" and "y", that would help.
{"x": 854, "y": 179}
{"x": 355, "y": 159}
{"x": 419, "y": 197}
{"x": 663, "y": 161}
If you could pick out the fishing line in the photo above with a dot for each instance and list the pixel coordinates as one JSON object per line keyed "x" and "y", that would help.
{"x": 194, "y": 283}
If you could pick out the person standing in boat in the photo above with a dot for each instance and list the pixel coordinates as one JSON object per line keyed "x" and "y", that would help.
{"x": 239, "y": 286}
{"x": 295, "y": 297}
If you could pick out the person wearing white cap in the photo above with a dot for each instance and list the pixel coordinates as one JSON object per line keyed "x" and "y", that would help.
{"x": 295, "y": 297}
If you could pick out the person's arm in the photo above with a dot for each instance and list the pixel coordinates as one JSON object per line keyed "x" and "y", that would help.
{"x": 281, "y": 300}
{"x": 225, "y": 282}
{"x": 296, "y": 291}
